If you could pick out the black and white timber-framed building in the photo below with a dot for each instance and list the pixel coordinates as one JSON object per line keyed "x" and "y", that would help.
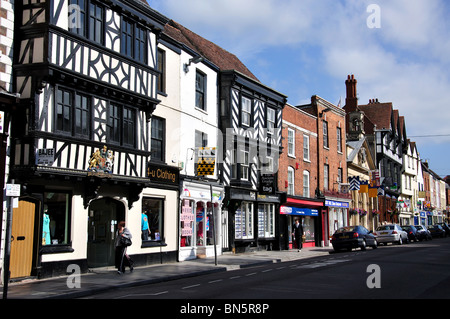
{"x": 87, "y": 73}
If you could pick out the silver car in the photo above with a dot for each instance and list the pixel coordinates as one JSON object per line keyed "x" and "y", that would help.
{"x": 391, "y": 233}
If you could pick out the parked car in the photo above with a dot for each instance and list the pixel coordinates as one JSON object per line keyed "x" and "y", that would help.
{"x": 412, "y": 232}
{"x": 391, "y": 233}
{"x": 423, "y": 233}
{"x": 437, "y": 231}
{"x": 350, "y": 237}
{"x": 446, "y": 227}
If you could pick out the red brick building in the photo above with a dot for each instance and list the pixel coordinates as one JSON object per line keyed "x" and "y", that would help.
{"x": 312, "y": 169}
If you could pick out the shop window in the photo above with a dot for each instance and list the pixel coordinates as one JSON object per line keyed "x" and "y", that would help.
{"x": 244, "y": 221}
{"x": 154, "y": 209}
{"x": 187, "y": 223}
{"x": 266, "y": 220}
{"x": 56, "y": 219}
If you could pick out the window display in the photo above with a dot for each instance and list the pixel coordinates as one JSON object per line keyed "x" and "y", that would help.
{"x": 154, "y": 209}
{"x": 55, "y": 219}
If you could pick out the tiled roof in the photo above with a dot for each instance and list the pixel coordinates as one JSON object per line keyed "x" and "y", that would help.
{"x": 378, "y": 113}
{"x": 223, "y": 59}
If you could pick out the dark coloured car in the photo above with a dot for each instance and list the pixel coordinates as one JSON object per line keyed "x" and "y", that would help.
{"x": 412, "y": 232}
{"x": 446, "y": 227}
{"x": 437, "y": 231}
{"x": 423, "y": 233}
{"x": 350, "y": 237}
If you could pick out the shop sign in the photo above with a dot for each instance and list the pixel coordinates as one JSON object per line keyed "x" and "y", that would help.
{"x": 332, "y": 203}
{"x": 287, "y": 210}
{"x": 267, "y": 183}
{"x": 163, "y": 174}
{"x": 238, "y": 194}
{"x": 186, "y": 218}
{"x": 45, "y": 156}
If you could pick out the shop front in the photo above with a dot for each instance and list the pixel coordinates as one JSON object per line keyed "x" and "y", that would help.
{"x": 308, "y": 212}
{"x": 337, "y": 215}
{"x": 199, "y": 219}
{"x": 252, "y": 217}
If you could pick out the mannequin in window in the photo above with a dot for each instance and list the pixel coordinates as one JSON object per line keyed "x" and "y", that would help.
{"x": 145, "y": 229}
{"x": 46, "y": 240}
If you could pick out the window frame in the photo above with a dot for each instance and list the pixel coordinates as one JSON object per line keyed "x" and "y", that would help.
{"x": 325, "y": 134}
{"x": 339, "y": 139}
{"x": 306, "y": 188}
{"x": 248, "y": 112}
{"x": 271, "y": 128}
{"x": 161, "y": 67}
{"x": 117, "y": 120}
{"x": 291, "y": 142}
{"x": 306, "y": 148}
{"x": 71, "y": 128}
{"x": 291, "y": 181}
{"x": 162, "y": 140}
{"x": 87, "y": 25}
{"x": 161, "y": 216}
{"x": 129, "y": 40}
{"x": 200, "y": 90}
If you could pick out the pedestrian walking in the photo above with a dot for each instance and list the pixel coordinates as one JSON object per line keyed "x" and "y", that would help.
{"x": 298, "y": 234}
{"x": 123, "y": 240}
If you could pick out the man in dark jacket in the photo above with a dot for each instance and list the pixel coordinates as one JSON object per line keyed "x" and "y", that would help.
{"x": 298, "y": 234}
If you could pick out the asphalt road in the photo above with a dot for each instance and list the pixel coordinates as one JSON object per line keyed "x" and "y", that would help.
{"x": 411, "y": 271}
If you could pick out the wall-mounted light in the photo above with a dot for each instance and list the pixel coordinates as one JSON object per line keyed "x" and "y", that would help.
{"x": 195, "y": 60}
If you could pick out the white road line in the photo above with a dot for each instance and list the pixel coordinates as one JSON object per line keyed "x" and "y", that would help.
{"x": 189, "y": 287}
{"x": 235, "y": 277}
{"x": 253, "y": 273}
{"x": 267, "y": 270}
{"x": 214, "y": 281}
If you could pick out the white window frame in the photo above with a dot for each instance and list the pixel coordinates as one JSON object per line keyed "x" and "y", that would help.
{"x": 271, "y": 120}
{"x": 291, "y": 181}
{"x": 291, "y": 142}
{"x": 246, "y": 109}
{"x": 306, "y": 148}
{"x": 245, "y": 166}
{"x": 306, "y": 183}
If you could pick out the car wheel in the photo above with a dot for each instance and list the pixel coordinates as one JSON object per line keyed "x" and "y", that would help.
{"x": 364, "y": 245}
{"x": 400, "y": 241}
{"x": 375, "y": 244}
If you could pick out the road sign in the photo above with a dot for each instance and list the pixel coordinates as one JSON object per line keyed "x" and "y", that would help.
{"x": 13, "y": 190}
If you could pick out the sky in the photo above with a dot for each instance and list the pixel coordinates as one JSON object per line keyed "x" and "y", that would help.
{"x": 398, "y": 50}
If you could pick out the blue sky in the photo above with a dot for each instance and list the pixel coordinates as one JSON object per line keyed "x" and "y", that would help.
{"x": 308, "y": 47}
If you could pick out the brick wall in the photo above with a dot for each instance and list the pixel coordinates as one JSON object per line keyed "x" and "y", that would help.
{"x": 303, "y": 124}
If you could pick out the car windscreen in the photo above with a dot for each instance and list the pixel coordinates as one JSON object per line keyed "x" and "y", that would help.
{"x": 386, "y": 227}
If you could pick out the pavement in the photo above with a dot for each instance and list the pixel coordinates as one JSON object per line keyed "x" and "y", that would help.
{"x": 103, "y": 279}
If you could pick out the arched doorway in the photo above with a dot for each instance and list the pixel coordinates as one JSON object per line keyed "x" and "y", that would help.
{"x": 104, "y": 215}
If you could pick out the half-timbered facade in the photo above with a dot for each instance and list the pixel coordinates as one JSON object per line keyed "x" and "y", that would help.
{"x": 87, "y": 73}
{"x": 251, "y": 123}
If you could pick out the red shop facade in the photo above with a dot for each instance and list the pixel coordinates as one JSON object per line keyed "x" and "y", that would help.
{"x": 310, "y": 212}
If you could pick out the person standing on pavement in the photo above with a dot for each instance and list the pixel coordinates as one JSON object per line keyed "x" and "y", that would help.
{"x": 298, "y": 234}
{"x": 121, "y": 258}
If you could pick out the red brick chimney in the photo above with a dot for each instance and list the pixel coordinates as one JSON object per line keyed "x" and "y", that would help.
{"x": 351, "y": 101}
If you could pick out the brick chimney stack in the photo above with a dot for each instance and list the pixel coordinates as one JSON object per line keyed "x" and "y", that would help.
{"x": 351, "y": 101}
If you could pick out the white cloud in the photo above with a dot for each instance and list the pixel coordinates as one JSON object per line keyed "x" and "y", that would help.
{"x": 403, "y": 62}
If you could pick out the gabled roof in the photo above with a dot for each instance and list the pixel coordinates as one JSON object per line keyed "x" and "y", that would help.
{"x": 223, "y": 59}
{"x": 378, "y": 113}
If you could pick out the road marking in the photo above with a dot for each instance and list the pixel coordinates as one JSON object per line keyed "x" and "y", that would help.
{"x": 189, "y": 287}
{"x": 235, "y": 277}
{"x": 267, "y": 270}
{"x": 214, "y": 281}
{"x": 253, "y": 273}
{"x": 322, "y": 264}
